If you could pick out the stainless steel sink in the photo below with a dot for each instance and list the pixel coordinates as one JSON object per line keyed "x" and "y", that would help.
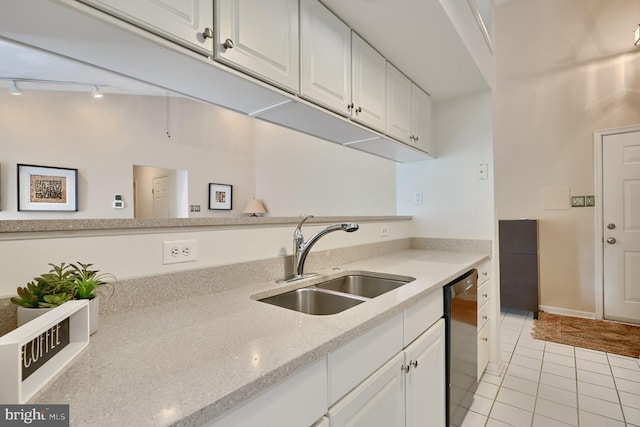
{"x": 314, "y": 301}
{"x": 335, "y": 295}
{"x": 364, "y": 286}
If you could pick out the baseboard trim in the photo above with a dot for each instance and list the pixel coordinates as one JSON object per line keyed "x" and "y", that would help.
{"x": 567, "y": 312}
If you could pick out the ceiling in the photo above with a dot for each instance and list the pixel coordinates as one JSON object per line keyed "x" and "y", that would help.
{"x": 416, "y": 36}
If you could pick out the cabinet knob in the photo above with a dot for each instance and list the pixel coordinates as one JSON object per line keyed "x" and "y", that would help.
{"x": 485, "y": 295}
{"x": 413, "y": 138}
{"x": 416, "y": 139}
{"x": 207, "y": 33}
{"x": 485, "y": 339}
{"x": 414, "y": 363}
{"x": 611, "y": 240}
{"x": 485, "y": 317}
{"x": 485, "y": 273}
{"x": 228, "y": 44}
{"x": 405, "y": 368}
{"x": 349, "y": 106}
{"x": 358, "y": 110}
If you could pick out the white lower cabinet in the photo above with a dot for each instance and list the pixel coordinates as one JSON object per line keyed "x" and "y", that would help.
{"x": 409, "y": 390}
{"x": 426, "y": 379}
{"x": 299, "y": 400}
{"x": 378, "y": 401}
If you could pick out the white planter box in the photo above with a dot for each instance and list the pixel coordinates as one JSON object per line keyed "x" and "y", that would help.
{"x": 18, "y": 387}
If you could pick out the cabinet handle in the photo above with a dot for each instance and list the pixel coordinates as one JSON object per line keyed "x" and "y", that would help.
{"x": 228, "y": 44}
{"x": 485, "y": 339}
{"x": 485, "y": 317}
{"x": 416, "y": 139}
{"x": 207, "y": 33}
{"x": 485, "y": 274}
{"x": 414, "y": 363}
{"x": 405, "y": 368}
{"x": 358, "y": 110}
{"x": 349, "y": 106}
{"x": 485, "y": 295}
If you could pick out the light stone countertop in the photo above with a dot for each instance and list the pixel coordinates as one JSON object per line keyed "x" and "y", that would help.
{"x": 189, "y": 361}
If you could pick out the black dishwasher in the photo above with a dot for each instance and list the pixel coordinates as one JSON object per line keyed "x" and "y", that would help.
{"x": 461, "y": 329}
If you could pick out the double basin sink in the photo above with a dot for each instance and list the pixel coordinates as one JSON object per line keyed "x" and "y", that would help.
{"x": 336, "y": 295}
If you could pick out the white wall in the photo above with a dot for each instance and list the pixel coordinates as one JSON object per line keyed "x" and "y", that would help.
{"x": 298, "y": 173}
{"x": 104, "y": 138}
{"x": 564, "y": 69}
{"x": 455, "y": 203}
{"x": 294, "y": 174}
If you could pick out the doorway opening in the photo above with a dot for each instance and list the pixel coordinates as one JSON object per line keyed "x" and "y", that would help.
{"x": 159, "y": 192}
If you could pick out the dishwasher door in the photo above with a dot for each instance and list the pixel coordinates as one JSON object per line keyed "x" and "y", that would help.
{"x": 461, "y": 328}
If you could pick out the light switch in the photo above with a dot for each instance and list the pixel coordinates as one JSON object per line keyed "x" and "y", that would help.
{"x": 417, "y": 198}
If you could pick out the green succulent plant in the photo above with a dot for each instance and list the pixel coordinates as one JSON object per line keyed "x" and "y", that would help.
{"x": 60, "y": 284}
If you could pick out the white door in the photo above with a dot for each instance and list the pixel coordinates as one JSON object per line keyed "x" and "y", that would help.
{"x": 261, "y": 38}
{"x": 325, "y": 57}
{"x": 369, "y": 84}
{"x": 377, "y": 402}
{"x": 426, "y": 382}
{"x": 621, "y": 226}
{"x": 181, "y": 21}
{"x": 161, "y": 197}
{"x": 398, "y": 104}
{"x": 421, "y": 119}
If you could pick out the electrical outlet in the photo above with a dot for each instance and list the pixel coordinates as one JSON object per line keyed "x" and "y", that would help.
{"x": 384, "y": 231}
{"x": 589, "y": 200}
{"x": 178, "y": 251}
{"x": 577, "y": 201}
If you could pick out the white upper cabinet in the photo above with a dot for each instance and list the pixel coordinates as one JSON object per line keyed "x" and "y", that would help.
{"x": 260, "y": 38}
{"x": 189, "y": 23}
{"x": 398, "y": 105}
{"x": 325, "y": 57}
{"x": 369, "y": 85}
{"x": 408, "y": 111}
{"x": 421, "y": 119}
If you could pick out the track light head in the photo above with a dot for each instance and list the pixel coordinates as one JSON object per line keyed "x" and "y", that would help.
{"x": 14, "y": 89}
{"x": 95, "y": 91}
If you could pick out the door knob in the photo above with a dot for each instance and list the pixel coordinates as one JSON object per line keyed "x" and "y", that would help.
{"x": 207, "y": 33}
{"x": 611, "y": 226}
{"x": 611, "y": 240}
{"x": 228, "y": 44}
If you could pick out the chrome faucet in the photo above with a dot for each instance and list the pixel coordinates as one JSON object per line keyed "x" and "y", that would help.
{"x": 301, "y": 248}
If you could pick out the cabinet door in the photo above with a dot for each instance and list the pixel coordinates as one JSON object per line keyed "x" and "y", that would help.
{"x": 181, "y": 21}
{"x": 377, "y": 402}
{"x": 325, "y": 57}
{"x": 261, "y": 38}
{"x": 421, "y": 119}
{"x": 369, "y": 84}
{"x": 426, "y": 398}
{"x": 398, "y": 104}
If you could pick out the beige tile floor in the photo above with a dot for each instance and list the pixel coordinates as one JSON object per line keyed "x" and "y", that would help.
{"x": 547, "y": 384}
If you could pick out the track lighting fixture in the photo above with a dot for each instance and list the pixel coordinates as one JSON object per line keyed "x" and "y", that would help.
{"x": 14, "y": 89}
{"x": 95, "y": 91}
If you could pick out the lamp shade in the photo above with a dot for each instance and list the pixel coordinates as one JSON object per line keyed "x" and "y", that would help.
{"x": 254, "y": 207}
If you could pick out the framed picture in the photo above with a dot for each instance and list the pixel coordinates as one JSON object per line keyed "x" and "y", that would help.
{"x": 45, "y": 188}
{"x": 220, "y": 196}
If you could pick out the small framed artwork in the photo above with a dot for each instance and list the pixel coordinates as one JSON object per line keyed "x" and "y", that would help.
{"x": 220, "y": 196}
{"x": 45, "y": 188}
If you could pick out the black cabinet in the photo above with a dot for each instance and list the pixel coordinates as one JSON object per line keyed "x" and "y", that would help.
{"x": 518, "y": 241}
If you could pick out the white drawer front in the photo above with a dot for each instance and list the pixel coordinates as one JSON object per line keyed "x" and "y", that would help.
{"x": 355, "y": 361}
{"x": 484, "y": 294}
{"x": 484, "y": 349}
{"x": 484, "y": 272}
{"x": 483, "y": 315}
{"x": 419, "y": 317}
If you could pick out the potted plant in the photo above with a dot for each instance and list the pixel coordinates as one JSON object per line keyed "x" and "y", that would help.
{"x": 86, "y": 284}
{"x": 62, "y": 283}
